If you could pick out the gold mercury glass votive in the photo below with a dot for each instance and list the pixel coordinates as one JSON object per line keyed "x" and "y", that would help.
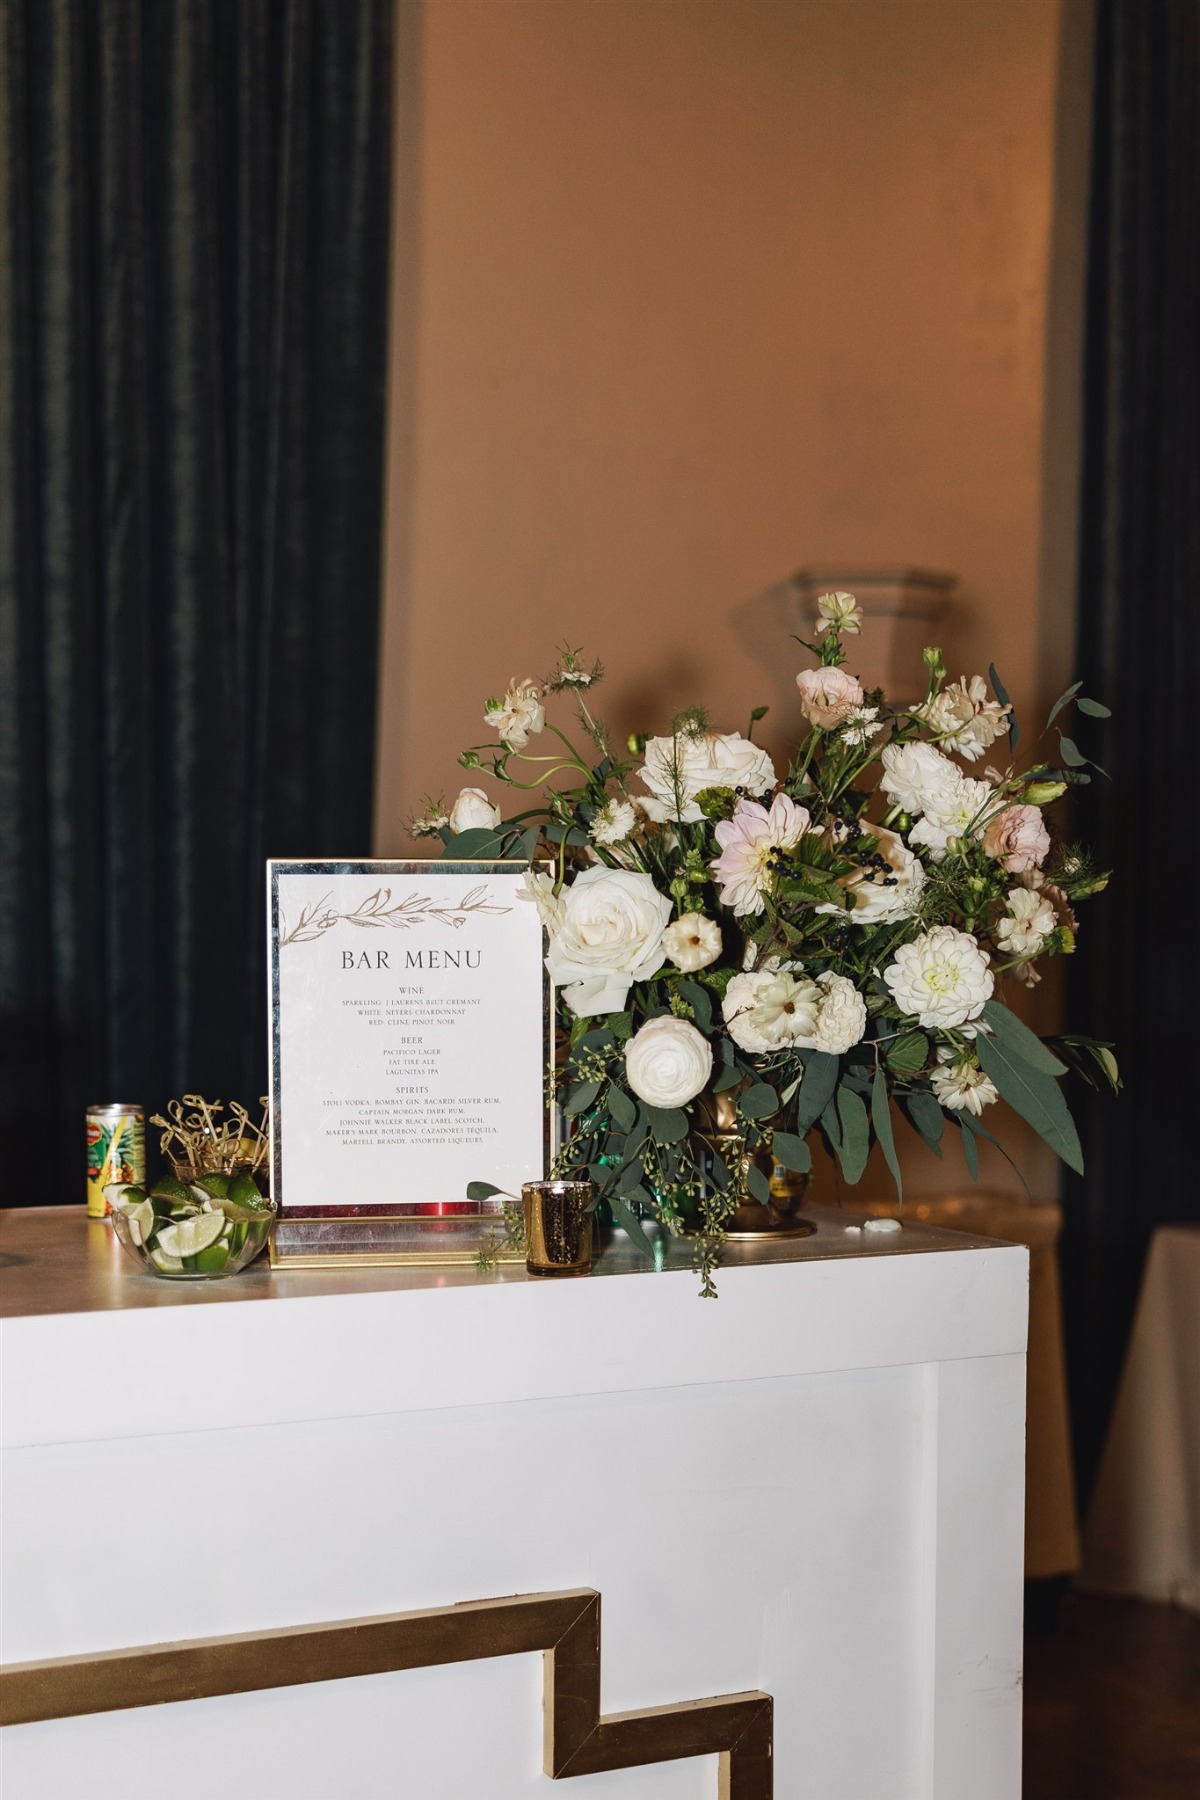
{"x": 558, "y": 1227}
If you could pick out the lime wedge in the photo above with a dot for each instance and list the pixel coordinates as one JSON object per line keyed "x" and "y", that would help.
{"x": 170, "y": 1265}
{"x": 212, "y": 1260}
{"x": 215, "y": 1186}
{"x": 141, "y": 1220}
{"x": 189, "y": 1236}
{"x": 123, "y": 1196}
{"x": 244, "y": 1191}
{"x": 168, "y": 1188}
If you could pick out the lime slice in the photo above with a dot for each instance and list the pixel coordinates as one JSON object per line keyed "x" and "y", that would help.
{"x": 210, "y": 1261}
{"x": 167, "y": 1187}
{"x": 141, "y": 1220}
{"x": 189, "y": 1236}
{"x": 123, "y": 1197}
{"x": 215, "y": 1186}
{"x": 170, "y": 1265}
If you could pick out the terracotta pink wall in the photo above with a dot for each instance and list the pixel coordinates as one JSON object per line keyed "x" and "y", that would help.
{"x": 691, "y": 293}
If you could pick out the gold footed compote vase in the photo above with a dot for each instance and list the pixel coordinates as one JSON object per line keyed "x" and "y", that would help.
{"x": 715, "y": 1129}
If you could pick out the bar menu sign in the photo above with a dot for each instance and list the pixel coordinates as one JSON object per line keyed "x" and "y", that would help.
{"x": 409, "y": 1020}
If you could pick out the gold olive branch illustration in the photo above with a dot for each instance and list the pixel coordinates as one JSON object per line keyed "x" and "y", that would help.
{"x": 378, "y": 912}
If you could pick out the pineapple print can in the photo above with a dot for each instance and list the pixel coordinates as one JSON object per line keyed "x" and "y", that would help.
{"x": 116, "y": 1147}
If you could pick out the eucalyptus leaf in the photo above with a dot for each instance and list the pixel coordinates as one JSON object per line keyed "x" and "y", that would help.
{"x": 908, "y": 1053}
{"x": 1070, "y": 752}
{"x": 1095, "y": 709}
{"x": 928, "y": 1117}
{"x": 831, "y": 1126}
{"x": 1001, "y": 693}
{"x": 881, "y": 1118}
{"x": 816, "y": 1090}
{"x": 792, "y": 1151}
{"x": 971, "y": 1124}
{"x": 480, "y": 844}
{"x": 580, "y": 1098}
{"x": 700, "y": 1001}
{"x": 482, "y": 1190}
{"x": 621, "y": 1107}
{"x": 856, "y": 1134}
{"x": 721, "y": 1173}
{"x": 668, "y": 1125}
{"x": 757, "y": 1183}
{"x": 1037, "y": 1097}
{"x": 727, "y": 1079}
{"x": 1063, "y": 700}
{"x": 624, "y": 1215}
{"x": 970, "y": 1150}
{"x": 1017, "y": 1038}
{"x": 759, "y": 1102}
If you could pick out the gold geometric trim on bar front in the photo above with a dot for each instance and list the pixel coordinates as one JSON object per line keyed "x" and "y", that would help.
{"x": 735, "y": 1727}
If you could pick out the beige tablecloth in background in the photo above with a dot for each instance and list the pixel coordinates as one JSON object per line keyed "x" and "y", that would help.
{"x": 1051, "y": 1521}
{"x": 1143, "y": 1527}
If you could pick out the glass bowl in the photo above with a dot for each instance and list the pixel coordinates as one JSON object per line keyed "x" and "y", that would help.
{"x": 193, "y": 1231}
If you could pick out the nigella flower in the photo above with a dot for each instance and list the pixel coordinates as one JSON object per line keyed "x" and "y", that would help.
{"x": 743, "y": 869}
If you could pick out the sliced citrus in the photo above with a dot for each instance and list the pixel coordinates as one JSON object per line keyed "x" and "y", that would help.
{"x": 244, "y": 1191}
{"x": 187, "y": 1237}
{"x": 124, "y": 1197}
{"x": 169, "y": 1265}
{"x": 141, "y": 1220}
{"x": 210, "y": 1261}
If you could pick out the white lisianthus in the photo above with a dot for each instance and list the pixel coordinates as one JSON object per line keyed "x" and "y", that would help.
{"x": 960, "y": 812}
{"x": 608, "y": 936}
{"x": 941, "y": 979}
{"x": 916, "y": 776}
{"x": 770, "y": 1008}
{"x": 964, "y": 718}
{"x": 668, "y": 1061}
{"x": 1029, "y": 921}
{"x": 841, "y": 1016}
{"x": 828, "y": 696}
{"x": 613, "y": 823}
{"x": 861, "y": 725}
{"x": 518, "y": 714}
{"x": 744, "y": 868}
{"x": 841, "y": 611}
{"x": 539, "y": 887}
{"x": 676, "y": 769}
{"x": 960, "y": 1084}
{"x": 882, "y": 895}
{"x": 473, "y": 811}
{"x": 692, "y": 942}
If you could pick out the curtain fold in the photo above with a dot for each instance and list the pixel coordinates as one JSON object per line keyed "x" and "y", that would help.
{"x": 194, "y": 221}
{"x": 1134, "y": 980}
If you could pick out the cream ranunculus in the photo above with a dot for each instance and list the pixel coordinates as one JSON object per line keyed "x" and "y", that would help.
{"x": 916, "y": 776}
{"x": 941, "y": 979}
{"x": 609, "y": 935}
{"x": 841, "y": 1016}
{"x": 692, "y": 942}
{"x": 878, "y": 900}
{"x": 828, "y": 696}
{"x": 518, "y": 714}
{"x": 668, "y": 1061}
{"x": 770, "y": 1009}
{"x": 676, "y": 769}
{"x": 473, "y": 811}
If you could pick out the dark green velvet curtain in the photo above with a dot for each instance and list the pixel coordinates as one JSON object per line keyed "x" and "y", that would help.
{"x": 193, "y": 269}
{"x": 1134, "y": 979}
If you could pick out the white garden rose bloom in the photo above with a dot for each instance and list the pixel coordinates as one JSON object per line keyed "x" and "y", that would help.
{"x": 876, "y": 900}
{"x": 676, "y": 769}
{"x": 841, "y": 1016}
{"x": 941, "y": 979}
{"x": 613, "y": 823}
{"x": 962, "y": 811}
{"x": 692, "y": 942}
{"x": 1031, "y": 918}
{"x": 770, "y": 1008}
{"x": 964, "y": 718}
{"x": 840, "y": 610}
{"x": 609, "y": 936}
{"x": 667, "y": 1062}
{"x": 473, "y": 811}
{"x": 916, "y": 776}
{"x": 961, "y": 1085}
{"x": 518, "y": 714}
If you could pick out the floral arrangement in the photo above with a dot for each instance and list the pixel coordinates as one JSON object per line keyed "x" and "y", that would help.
{"x": 829, "y": 943}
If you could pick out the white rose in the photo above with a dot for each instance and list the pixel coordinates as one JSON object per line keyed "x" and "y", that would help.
{"x": 667, "y": 1062}
{"x": 964, "y": 718}
{"x": 608, "y": 936}
{"x": 916, "y": 776}
{"x": 960, "y": 1084}
{"x": 1031, "y": 918}
{"x": 878, "y": 901}
{"x": 473, "y": 811}
{"x": 962, "y": 811}
{"x": 692, "y": 942}
{"x": 770, "y": 1009}
{"x": 518, "y": 714}
{"x": 942, "y": 978}
{"x": 841, "y": 1016}
{"x": 676, "y": 769}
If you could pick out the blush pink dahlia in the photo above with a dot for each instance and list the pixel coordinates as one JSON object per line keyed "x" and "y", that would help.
{"x": 743, "y": 868}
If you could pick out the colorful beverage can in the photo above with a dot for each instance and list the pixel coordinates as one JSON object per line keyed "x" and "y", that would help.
{"x": 116, "y": 1146}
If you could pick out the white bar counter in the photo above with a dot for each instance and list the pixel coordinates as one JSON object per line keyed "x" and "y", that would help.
{"x": 812, "y": 1487}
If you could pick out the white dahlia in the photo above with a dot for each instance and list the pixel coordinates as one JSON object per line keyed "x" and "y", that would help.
{"x": 916, "y": 776}
{"x": 960, "y": 812}
{"x": 941, "y": 979}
